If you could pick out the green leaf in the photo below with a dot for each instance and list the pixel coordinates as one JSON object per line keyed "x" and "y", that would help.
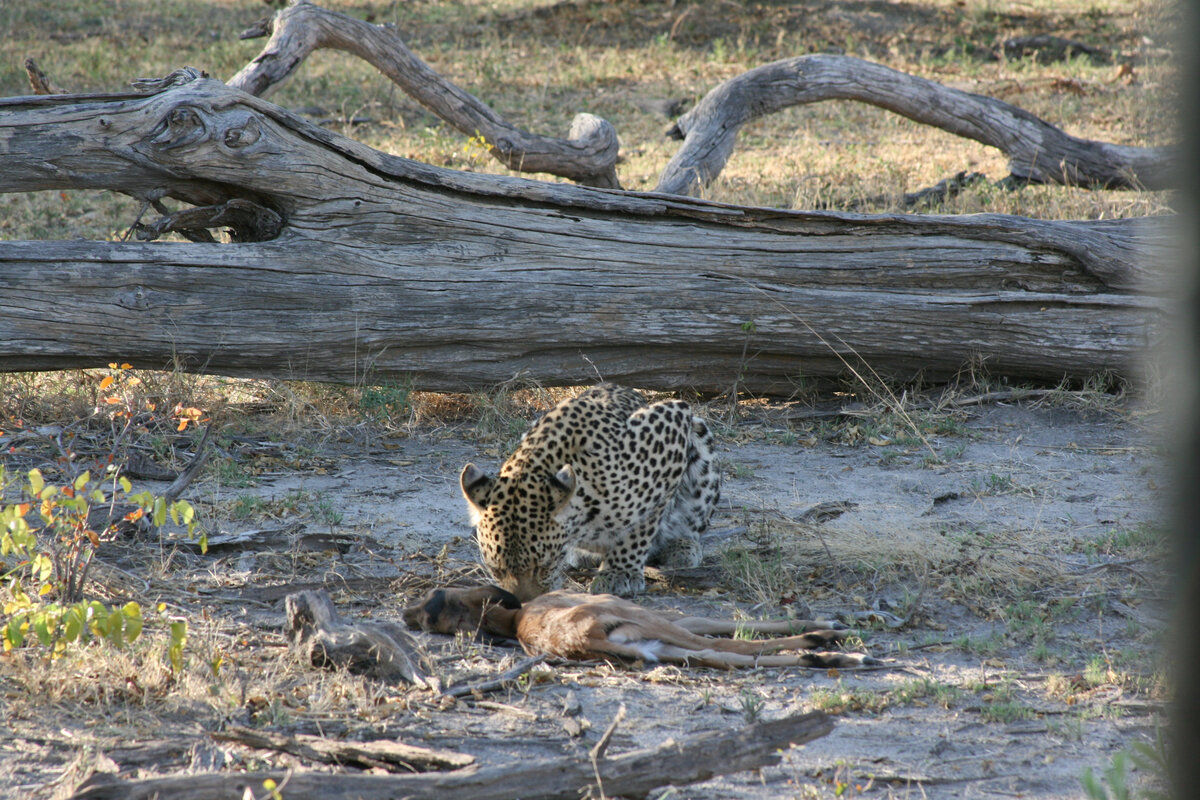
{"x": 133, "y": 620}
{"x": 126, "y": 486}
{"x": 1092, "y": 785}
{"x": 41, "y": 626}
{"x": 178, "y": 638}
{"x": 13, "y": 632}
{"x": 73, "y": 624}
{"x": 160, "y": 512}
{"x": 36, "y": 482}
{"x": 82, "y": 480}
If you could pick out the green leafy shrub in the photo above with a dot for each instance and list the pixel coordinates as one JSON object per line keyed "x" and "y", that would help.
{"x": 47, "y": 565}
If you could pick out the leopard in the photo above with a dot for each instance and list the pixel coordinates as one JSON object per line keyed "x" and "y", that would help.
{"x": 602, "y": 479}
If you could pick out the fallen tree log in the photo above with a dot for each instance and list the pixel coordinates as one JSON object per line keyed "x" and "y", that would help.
{"x": 696, "y": 758}
{"x": 1038, "y": 151}
{"x": 348, "y": 263}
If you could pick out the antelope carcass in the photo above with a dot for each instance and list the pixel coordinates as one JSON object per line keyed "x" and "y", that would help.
{"x": 589, "y": 627}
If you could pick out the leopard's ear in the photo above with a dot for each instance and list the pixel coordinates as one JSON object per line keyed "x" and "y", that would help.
{"x": 476, "y": 486}
{"x": 562, "y": 486}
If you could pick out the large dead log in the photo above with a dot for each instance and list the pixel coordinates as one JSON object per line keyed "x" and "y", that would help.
{"x": 351, "y": 262}
{"x": 1038, "y": 151}
{"x": 696, "y": 758}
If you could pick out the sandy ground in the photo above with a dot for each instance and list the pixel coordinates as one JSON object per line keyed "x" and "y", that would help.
{"x": 1023, "y": 504}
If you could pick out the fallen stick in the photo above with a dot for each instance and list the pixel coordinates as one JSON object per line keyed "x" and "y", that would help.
{"x": 690, "y": 760}
{"x": 390, "y": 755}
{"x": 377, "y": 648}
{"x": 498, "y": 682}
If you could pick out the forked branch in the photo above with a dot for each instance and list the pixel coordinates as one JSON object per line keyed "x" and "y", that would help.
{"x": 1038, "y": 152}
{"x": 587, "y": 156}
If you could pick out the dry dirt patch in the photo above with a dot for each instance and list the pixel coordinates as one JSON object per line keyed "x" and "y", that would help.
{"x": 1006, "y": 568}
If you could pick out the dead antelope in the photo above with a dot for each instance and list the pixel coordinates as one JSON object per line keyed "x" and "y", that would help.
{"x": 588, "y": 627}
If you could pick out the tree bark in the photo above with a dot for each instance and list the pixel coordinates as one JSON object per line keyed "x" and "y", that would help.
{"x": 696, "y": 758}
{"x": 351, "y": 264}
{"x": 378, "y": 648}
{"x": 383, "y": 753}
{"x": 587, "y": 156}
{"x": 1038, "y": 151}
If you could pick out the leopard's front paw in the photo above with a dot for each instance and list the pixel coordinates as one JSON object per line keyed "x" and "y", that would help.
{"x": 618, "y": 583}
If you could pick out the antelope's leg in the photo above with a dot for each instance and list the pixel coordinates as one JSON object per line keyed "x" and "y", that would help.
{"x": 725, "y": 660}
{"x": 727, "y": 627}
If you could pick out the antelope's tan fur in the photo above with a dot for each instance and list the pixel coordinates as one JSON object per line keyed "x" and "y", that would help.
{"x": 589, "y": 627}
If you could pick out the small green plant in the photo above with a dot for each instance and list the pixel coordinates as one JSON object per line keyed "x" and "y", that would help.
{"x": 48, "y": 564}
{"x": 231, "y": 473}
{"x": 752, "y": 705}
{"x": 1149, "y": 758}
{"x": 926, "y": 689}
{"x": 760, "y": 576}
{"x": 389, "y": 402}
{"x": 839, "y": 700}
{"x": 248, "y": 506}
{"x": 324, "y": 511}
{"x": 1005, "y": 711}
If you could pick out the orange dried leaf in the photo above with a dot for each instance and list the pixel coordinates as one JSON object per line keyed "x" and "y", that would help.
{"x": 106, "y": 382}
{"x": 135, "y": 515}
{"x": 182, "y": 423}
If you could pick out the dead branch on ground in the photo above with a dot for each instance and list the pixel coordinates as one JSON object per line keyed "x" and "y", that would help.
{"x": 695, "y": 758}
{"x": 377, "y": 648}
{"x": 1038, "y": 151}
{"x": 385, "y": 754}
{"x": 588, "y": 155}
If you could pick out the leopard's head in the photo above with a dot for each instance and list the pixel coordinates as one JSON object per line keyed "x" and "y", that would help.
{"x": 520, "y": 538}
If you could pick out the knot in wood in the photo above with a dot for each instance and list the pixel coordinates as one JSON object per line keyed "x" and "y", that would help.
{"x": 181, "y": 127}
{"x": 244, "y": 134}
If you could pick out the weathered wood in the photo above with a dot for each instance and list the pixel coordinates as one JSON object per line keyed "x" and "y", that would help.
{"x": 390, "y": 755}
{"x": 503, "y": 680}
{"x": 696, "y": 758}
{"x": 588, "y": 155}
{"x": 291, "y": 537}
{"x": 377, "y": 648}
{"x": 386, "y": 267}
{"x": 1038, "y": 151}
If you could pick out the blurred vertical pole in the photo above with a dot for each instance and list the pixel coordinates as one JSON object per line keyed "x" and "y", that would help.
{"x": 1185, "y": 382}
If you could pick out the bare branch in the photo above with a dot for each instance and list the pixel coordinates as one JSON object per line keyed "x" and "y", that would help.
{"x": 1038, "y": 151}
{"x": 587, "y": 156}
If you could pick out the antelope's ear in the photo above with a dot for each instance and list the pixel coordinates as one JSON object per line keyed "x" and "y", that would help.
{"x": 504, "y": 599}
{"x": 475, "y": 487}
{"x": 562, "y": 486}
